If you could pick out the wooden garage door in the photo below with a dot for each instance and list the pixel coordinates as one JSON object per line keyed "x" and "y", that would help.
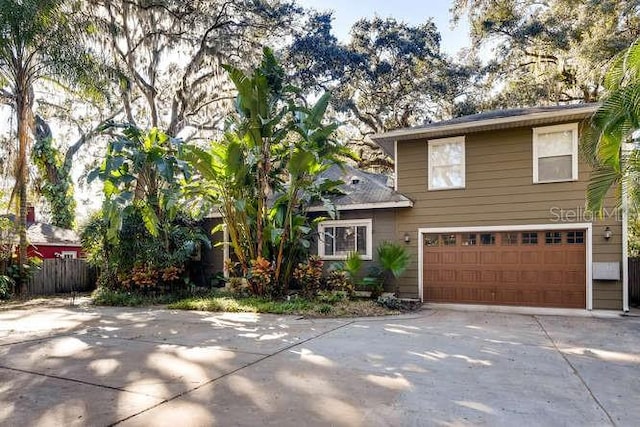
{"x": 530, "y": 268}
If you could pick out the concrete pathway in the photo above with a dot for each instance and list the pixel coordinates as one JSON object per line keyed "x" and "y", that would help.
{"x": 141, "y": 367}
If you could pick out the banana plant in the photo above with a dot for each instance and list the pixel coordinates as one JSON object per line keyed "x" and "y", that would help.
{"x": 142, "y": 171}
{"x": 262, "y": 175}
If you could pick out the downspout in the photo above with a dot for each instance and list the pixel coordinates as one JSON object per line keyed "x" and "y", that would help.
{"x": 625, "y": 248}
{"x": 626, "y": 149}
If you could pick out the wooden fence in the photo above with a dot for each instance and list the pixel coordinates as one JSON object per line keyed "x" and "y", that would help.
{"x": 62, "y": 275}
{"x": 634, "y": 281}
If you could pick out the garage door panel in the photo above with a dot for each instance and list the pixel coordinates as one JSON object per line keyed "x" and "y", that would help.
{"x": 519, "y": 270}
{"x": 449, "y": 257}
{"x": 530, "y": 256}
{"x": 510, "y": 258}
{"x": 490, "y": 257}
{"x": 552, "y": 277}
{"x": 467, "y": 276}
{"x": 529, "y": 276}
{"x": 489, "y": 276}
{"x": 554, "y": 257}
{"x": 432, "y": 258}
{"x": 469, "y": 257}
{"x": 509, "y": 276}
{"x": 575, "y": 257}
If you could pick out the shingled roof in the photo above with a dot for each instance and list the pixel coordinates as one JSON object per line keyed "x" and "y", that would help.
{"x": 40, "y": 233}
{"x": 490, "y": 120}
{"x": 362, "y": 190}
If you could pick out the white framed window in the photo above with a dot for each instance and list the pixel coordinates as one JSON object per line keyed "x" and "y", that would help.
{"x": 336, "y": 239}
{"x": 446, "y": 163}
{"x": 69, "y": 254}
{"x": 555, "y": 153}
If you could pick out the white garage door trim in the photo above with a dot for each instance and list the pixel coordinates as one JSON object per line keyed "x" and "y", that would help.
{"x": 495, "y": 228}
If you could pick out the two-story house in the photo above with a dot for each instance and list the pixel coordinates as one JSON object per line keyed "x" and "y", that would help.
{"x": 499, "y": 216}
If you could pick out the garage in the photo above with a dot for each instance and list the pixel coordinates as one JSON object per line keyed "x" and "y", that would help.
{"x": 540, "y": 268}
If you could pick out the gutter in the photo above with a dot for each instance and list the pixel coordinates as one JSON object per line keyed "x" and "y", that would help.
{"x": 360, "y": 206}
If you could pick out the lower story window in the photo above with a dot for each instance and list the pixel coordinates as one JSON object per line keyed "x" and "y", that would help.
{"x": 338, "y": 238}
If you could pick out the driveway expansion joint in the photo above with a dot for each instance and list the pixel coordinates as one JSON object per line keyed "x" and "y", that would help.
{"x": 575, "y": 371}
{"x": 232, "y": 372}
{"x": 73, "y": 380}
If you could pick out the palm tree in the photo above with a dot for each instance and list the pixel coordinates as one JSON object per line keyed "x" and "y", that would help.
{"x": 614, "y": 124}
{"x": 38, "y": 40}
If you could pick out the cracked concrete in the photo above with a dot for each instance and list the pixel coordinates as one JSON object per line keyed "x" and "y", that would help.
{"x": 138, "y": 367}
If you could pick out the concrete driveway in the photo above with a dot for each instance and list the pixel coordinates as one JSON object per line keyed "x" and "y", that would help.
{"x": 142, "y": 367}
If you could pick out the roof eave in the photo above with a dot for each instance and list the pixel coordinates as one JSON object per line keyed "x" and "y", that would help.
{"x": 488, "y": 124}
{"x": 361, "y": 206}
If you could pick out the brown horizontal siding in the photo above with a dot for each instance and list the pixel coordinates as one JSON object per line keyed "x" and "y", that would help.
{"x": 607, "y": 295}
{"x": 499, "y": 191}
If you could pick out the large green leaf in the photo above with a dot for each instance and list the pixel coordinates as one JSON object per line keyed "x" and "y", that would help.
{"x": 393, "y": 258}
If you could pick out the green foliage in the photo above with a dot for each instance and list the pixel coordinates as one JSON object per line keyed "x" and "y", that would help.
{"x": 7, "y": 239}
{"x": 120, "y": 298}
{"x": 331, "y": 306}
{"x": 141, "y": 172}
{"x": 55, "y": 182}
{"x": 40, "y": 40}
{"x": 353, "y": 264}
{"x": 339, "y": 281}
{"x": 137, "y": 259}
{"x": 244, "y": 305}
{"x": 332, "y": 296}
{"x": 261, "y": 277}
{"x": 615, "y": 123}
{"x": 388, "y": 75}
{"x": 549, "y": 52}
{"x": 14, "y": 272}
{"x": 374, "y": 281}
{"x": 6, "y": 287}
{"x": 634, "y": 237}
{"x": 309, "y": 276}
{"x": 393, "y": 258}
{"x": 391, "y": 302}
{"x": 276, "y": 146}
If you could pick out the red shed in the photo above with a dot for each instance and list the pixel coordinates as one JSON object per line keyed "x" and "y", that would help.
{"x": 48, "y": 241}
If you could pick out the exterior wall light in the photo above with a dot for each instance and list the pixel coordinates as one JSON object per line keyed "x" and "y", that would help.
{"x": 607, "y": 233}
{"x": 407, "y": 238}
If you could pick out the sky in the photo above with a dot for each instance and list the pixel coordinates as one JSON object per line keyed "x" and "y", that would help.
{"x": 411, "y": 11}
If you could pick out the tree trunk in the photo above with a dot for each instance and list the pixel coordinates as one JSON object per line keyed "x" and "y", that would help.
{"x": 23, "y": 109}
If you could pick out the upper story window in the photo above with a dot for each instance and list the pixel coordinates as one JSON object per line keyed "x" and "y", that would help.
{"x": 338, "y": 238}
{"x": 446, "y": 163}
{"x": 555, "y": 153}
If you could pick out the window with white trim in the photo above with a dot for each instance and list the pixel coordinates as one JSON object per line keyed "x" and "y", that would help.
{"x": 446, "y": 163}
{"x": 69, "y": 254}
{"x": 338, "y": 238}
{"x": 555, "y": 153}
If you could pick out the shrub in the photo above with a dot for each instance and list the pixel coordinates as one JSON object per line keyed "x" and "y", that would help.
{"x": 309, "y": 276}
{"x": 238, "y": 286}
{"x": 391, "y": 302}
{"x": 352, "y": 265}
{"x": 339, "y": 280}
{"x": 325, "y": 309}
{"x": 261, "y": 277}
{"x": 374, "y": 281}
{"x": 6, "y": 285}
{"x": 393, "y": 258}
{"x": 332, "y": 297}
